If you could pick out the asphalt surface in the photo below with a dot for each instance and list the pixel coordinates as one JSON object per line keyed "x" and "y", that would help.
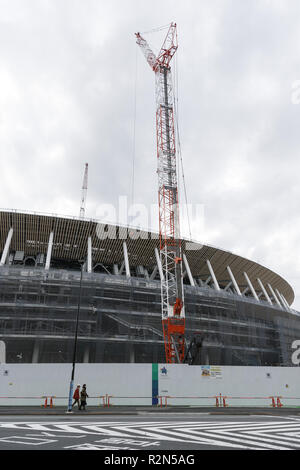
{"x": 149, "y": 434}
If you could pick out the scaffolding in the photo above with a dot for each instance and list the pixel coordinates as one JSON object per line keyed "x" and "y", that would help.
{"x": 120, "y": 320}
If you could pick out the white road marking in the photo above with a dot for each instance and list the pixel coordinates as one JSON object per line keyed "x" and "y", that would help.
{"x": 26, "y": 440}
{"x": 279, "y": 434}
{"x": 88, "y": 446}
{"x": 53, "y": 435}
{"x": 249, "y": 440}
{"x": 198, "y": 439}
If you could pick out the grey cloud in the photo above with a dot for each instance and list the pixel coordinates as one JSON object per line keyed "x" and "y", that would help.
{"x": 67, "y": 89}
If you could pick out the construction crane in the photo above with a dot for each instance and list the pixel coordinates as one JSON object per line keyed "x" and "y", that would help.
{"x": 172, "y": 298}
{"x": 83, "y": 192}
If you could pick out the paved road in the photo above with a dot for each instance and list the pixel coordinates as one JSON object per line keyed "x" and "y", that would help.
{"x": 151, "y": 432}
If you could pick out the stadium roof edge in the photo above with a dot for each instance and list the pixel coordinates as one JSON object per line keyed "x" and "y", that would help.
{"x": 32, "y": 229}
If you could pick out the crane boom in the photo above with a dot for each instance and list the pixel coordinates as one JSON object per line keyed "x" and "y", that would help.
{"x": 84, "y": 192}
{"x": 172, "y": 297}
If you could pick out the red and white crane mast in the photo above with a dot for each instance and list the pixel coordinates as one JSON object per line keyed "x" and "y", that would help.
{"x": 172, "y": 298}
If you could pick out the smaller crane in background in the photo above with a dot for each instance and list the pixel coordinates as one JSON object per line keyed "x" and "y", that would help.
{"x": 83, "y": 192}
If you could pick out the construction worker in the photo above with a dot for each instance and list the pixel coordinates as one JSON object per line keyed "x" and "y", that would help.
{"x": 76, "y": 396}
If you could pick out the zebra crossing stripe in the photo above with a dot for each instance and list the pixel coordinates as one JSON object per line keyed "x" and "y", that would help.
{"x": 282, "y": 438}
{"x": 35, "y": 426}
{"x": 257, "y": 444}
{"x": 115, "y": 431}
{"x": 280, "y": 428}
{"x": 197, "y": 439}
{"x": 146, "y": 432}
{"x": 234, "y": 425}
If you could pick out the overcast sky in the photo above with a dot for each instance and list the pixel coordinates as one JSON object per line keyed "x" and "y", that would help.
{"x": 75, "y": 88}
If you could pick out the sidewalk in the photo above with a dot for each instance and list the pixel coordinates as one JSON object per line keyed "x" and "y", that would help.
{"x": 142, "y": 410}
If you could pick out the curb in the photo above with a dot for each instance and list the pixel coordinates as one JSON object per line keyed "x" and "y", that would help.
{"x": 144, "y": 411}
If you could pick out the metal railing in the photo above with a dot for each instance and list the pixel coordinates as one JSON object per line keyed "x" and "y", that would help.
{"x": 220, "y": 400}
{"x": 163, "y": 401}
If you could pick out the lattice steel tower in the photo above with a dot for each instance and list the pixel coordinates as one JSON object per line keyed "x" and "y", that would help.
{"x": 172, "y": 298}
{"x": 84, "y": 192}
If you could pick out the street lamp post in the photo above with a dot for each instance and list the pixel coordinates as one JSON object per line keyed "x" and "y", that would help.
{"x": 75, "y": 346}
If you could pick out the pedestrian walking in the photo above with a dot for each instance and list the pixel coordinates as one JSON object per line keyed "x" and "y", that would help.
{"x": 76, "y": 396}
{"x": 83, "y": 397}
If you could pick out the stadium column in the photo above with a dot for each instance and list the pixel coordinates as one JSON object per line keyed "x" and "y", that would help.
{"x": 287, "y": 304}
{"x": 251, "y": 286}
{"x": 36, "y": 350}
{"x": 216, "y": 284}
{"x": 153, "y": 274}
{"x": 131, "y": 354}
{"x": 274, "y": 295}
{"x": 264, "y": 291}
{"x": 235, "y": 284}
{"x": 89, "y": 255}
{"x": 146, "y": 274}
{"x": 86, "y": 354}
{"x": 188, "y": 270}
{"x": 49, "y": 251}
{"x": 2, "y": 352}
{"x": 228, "y": 285}
{"x": 115, "y": 269}
{"x": 126, "y": 260}
{"x": 282, "y": 301}
{"x": 207, "y": 281}
{"x": 121, "y": 268}
{"x": 158, "y": 261}
{"x": 6, "y": 247}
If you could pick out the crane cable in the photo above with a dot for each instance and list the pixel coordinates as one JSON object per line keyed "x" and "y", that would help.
{"x": 133, "y": 130}
{"x": 160, "y": 28}
{"x": 179, "y": 153}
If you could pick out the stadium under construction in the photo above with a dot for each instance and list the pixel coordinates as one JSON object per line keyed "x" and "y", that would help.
{"x": 240, "y": 310}
{"x": 127, "y": 296}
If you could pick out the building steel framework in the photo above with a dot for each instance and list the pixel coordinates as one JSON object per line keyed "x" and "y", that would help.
{"x": 173, "y": 312}
{"x": 26, "y": 236}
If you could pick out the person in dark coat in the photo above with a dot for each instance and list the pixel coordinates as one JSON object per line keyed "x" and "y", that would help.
{"x": 83, "y": 397}
{"x": 76, "y": 396}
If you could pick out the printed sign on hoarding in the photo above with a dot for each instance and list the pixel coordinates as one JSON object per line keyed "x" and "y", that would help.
{"x": 211, "y": 371}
